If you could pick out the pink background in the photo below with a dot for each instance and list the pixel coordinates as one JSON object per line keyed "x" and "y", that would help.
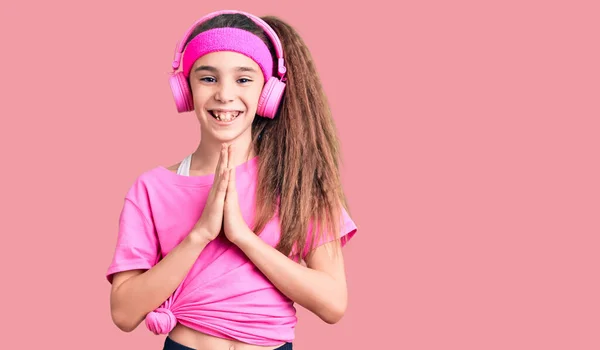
{"x": 470, "y": 133}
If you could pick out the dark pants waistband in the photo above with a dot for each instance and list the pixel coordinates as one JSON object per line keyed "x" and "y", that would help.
{"x": 171, "y": 344}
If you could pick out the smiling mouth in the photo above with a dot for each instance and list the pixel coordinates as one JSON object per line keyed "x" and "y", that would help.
{"x": 224, "y": 116}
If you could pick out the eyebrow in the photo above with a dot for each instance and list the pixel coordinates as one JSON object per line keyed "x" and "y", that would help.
{"x": 215, "y": 70}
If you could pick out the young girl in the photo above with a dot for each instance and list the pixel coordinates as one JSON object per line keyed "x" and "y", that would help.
{"x": 214, "y": 251}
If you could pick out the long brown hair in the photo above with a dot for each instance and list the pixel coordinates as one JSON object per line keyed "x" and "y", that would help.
{"x": 298, "y": 150}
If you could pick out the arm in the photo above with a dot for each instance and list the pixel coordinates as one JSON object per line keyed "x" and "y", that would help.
{"x": 130, "y": 300}
{"x": 135, "y": 293}
{"x": 320, "y": 286}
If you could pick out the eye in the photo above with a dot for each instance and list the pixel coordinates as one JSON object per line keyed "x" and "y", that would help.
{"x": 208, "y": 79}
{"x": 244, "y": 80}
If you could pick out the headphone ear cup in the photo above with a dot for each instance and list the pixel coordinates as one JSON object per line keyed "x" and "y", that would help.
{"x": 270, "y": 98}
{"x": 181, "y": 92}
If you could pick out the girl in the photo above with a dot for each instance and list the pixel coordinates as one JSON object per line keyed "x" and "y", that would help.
{"x": 214, "y": 251}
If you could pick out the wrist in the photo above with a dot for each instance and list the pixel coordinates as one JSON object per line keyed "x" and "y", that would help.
{"x": 199, "y": 237}
{"x": 244, "y": 240}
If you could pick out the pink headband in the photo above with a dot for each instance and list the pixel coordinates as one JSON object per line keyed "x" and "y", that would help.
{"x": 229, "y": 39}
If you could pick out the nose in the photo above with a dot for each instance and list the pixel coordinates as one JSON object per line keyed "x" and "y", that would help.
{"x": 225, "y": 92}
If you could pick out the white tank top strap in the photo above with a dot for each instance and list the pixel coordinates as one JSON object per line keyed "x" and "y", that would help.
{"x": 184, "y": 166}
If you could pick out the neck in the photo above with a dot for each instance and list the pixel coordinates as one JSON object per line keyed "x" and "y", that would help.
{"x": 206, "y": 156}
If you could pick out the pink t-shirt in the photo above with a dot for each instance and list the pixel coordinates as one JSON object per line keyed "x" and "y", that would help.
{"x": 223, "y": 294}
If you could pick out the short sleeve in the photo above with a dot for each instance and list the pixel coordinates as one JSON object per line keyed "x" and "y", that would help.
{"x": 137, "y": 244}
{"x": 347, "y": 230}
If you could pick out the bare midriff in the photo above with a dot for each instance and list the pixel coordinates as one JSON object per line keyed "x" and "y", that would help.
{"x": 201, "y": 341}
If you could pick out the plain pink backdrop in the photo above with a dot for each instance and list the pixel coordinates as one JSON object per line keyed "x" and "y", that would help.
{"x": 470, "y": 132}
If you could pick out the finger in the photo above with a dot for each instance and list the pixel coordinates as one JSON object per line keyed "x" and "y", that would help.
{"x": 231, "y": 169}
{"x": 220, "y": 156}
{"x": 230, "y": 156}
{"x": 219, "y": 171}
{"x": 230, "y": 196}
{"x": 222, "y": 164}
{"x": 222, "y": 185}
{"x": 219, "y": 168}
{"x": 231, "y": 186}
{"x": 225, "y": 160}
{"x": 226, "y": 155}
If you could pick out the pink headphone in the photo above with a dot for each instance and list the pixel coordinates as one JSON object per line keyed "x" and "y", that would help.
{"x": 272, "y": 92}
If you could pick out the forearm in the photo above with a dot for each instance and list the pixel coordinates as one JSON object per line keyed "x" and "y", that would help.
{"x": 133, "y": 299}
{"x": 315, "y": 290}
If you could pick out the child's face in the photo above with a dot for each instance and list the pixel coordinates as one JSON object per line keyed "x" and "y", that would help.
{"x": 226, "y": 87}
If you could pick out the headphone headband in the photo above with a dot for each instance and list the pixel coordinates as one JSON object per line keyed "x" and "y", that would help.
{"x": 281, "y": 69}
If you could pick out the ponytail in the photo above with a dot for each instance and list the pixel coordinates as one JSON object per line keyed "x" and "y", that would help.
{"x": 299, "y": 154}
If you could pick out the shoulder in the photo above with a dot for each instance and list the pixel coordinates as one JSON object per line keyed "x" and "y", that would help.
{"x": 173, "y": 167}
{"x": 146, "y": 181}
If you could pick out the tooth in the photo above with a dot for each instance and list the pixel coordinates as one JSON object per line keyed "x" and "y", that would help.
{"x": 226, "y": 116}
